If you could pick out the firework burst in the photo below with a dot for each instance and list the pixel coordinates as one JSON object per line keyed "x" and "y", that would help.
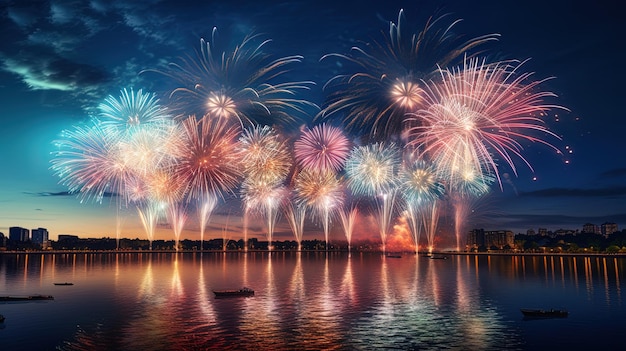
{"x": 208, "y": 159}
{"x": 265, "y": 156}
{"x": 386, "y": 80}
{"x": 322, "y": 148}
{"x": 243, "y": 83}
{"x": 322, "y": 192}
{"x": 131, "y": 110}
{"x": 479, "y": 112}
{"x": 372, "y": 170}
{"x": 89, "y": 163}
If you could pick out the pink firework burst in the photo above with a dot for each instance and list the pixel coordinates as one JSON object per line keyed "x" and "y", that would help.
{"x": 208, "y": 159}
{"x": 322, "y": 148}
{"x": 478, "y": 114}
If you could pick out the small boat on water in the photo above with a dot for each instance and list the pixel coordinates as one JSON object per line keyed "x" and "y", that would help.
{"x": 539, "y": 313}
{"x": 234, "y": 293}
{"x": 394, "y": 256}
{"x": 1, "y": 318}
{"x": 433, "y": 257}
{"x": 66, "y": 283}
{"x": 26, "y": 298}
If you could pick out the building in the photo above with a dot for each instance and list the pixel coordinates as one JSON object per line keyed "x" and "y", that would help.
{"x": 39, "y": 236}
{"x": 542, "y": 231}
{"x": 608, "y": 228}
{"x": 476, "y": 238}
{"x": 19, "y": 234}
{"x": 489, "y": 238}
{"x": 591, "y": 228}
{"x": 530, "y": 232}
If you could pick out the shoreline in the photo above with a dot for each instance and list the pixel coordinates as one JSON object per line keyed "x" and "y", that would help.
{"x": 402, "y": 253}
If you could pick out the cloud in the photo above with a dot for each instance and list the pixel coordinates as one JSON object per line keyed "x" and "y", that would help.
{"x": 568, "y": 192}
{"x": 52, "y": 72}
{"x": 552, "y": 221}
{"x": 63, "y": 193}
{"x": 614, "y": 173}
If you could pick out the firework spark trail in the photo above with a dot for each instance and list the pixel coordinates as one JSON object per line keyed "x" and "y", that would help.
{"x": 296, "y": 215}
{"x": 204, "y": 215}
{"x": 387, "y": 80}
{"x": 243, "y": 83}
{"x": 321, "y": 192}
{"x": 176, "y": 216}
{"x": 149, "y": 213}
{"x": 419, "y": 186}
{"x": 372, "y": 170}
{"x": 348, "y": 218}
{"x": 478, "y": 112}
{"x": 263, "y": 198}
{"x": 430, "y": 218}
{"x": 322, "y": 148}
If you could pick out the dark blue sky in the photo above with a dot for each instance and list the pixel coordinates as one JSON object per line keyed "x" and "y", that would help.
{"x": 60, "y": 59}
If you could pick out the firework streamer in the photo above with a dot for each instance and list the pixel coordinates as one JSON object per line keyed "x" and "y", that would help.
{"x": 323, "y": 193}
{"x": 348, "y": 218}
{"x": 372, "y": 170}
{"x": 243, "y": 83}
{"x": 383, "y": 79}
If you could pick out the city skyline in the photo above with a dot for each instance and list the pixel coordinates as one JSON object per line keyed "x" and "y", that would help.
{"x": 56, "y": 79}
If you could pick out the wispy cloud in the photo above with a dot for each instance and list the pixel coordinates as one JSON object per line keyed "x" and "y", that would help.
{"x": 614, "y": 173}
{"x": 571, "y": 192}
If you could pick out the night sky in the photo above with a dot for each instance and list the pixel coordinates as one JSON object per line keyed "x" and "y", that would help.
{"x": 60, "y": 59}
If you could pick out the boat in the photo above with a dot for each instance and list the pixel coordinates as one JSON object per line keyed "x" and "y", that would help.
{"x": 26, "y": 298}
{"x": 539, "y": 313}
{"x": 234, "y": 293}
{"x": 394, "y": 256}
{"x": 433, "y": 257}
{"x": 1, "y": 318}
{"x": 66, "y": 283}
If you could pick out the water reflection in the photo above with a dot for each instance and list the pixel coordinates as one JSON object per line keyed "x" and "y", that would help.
{"x": 303, "y": 300}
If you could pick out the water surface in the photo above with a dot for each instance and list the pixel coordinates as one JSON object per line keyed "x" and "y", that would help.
{"x": 309, "y": 301}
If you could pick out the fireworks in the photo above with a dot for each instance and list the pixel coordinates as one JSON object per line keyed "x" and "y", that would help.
{"x": 373, "y": 169}
{"x": 348, "y": 218}
{"x": 419, "y": 183}
{"x": 322, "y": 192}
{"x": 264, "y": 198}
{"x": 131, "y": 111}
{"x": 265, "y": 156}
{"x": 323, "y": 148}
{"x": 242, "y": 83}
{"x": 296, "y": 215}
{"x": 88, "y": 162}
{"x": 476, "y": 113}
{"x": 209, "y": 157}
{"x": 465, "y": 122}
{"x": 387, "y": 81}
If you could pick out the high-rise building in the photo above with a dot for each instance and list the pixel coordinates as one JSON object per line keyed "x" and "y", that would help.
{"x": 19, "y": 234}
{"x": 608, "y": 228}
{"x": 488, "y": 238}
{"x": 591, "y": 228}
{"x": 39, "y": 235}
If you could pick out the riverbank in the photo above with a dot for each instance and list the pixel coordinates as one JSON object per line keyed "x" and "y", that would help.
{"x": 333, "y": 252}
